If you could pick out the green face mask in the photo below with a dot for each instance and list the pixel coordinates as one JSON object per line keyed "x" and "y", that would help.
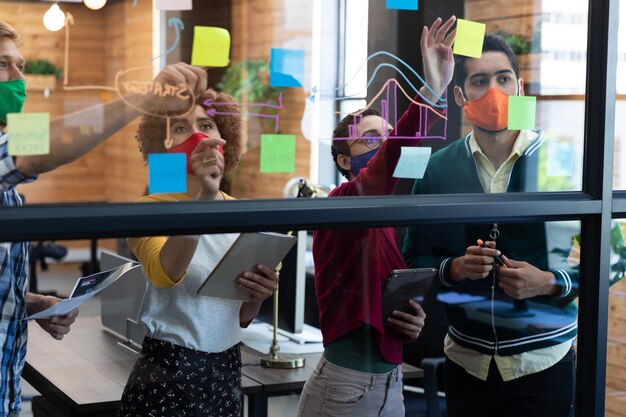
{"x": 12, "y": 97}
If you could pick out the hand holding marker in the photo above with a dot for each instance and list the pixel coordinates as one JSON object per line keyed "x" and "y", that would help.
{"x": 498, "y": 260}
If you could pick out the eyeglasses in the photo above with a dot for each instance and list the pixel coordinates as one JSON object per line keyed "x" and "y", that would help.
{"x": 370, "y": 142}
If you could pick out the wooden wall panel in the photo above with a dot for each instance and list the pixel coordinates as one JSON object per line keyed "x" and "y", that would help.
{"x": 258, "y": 26}
{"x": 101, "y": 43}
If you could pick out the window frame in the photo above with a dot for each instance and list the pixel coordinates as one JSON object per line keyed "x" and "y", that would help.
{"x": 595, "y": 206}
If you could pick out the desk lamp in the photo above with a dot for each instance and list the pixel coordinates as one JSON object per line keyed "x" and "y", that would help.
{"x": 275, "y": 359}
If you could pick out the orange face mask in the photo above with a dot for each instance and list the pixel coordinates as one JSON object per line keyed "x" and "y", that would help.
{"x": 490, "y": 112}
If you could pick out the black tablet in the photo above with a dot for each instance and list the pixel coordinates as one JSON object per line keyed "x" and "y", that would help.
{"x": 404, "y": 285}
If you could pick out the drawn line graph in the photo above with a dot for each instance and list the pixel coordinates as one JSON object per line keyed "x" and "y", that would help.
{"x": 372, "y": 78}
{"x": 212, "y": 111}
{"x": 390, "y": 89}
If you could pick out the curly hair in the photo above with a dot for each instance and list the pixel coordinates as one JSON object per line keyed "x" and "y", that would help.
{"x": 151, "y": 132}
{"x": 341, "y": 146}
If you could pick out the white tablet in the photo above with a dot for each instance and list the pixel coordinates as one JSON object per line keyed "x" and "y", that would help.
{"x": 248, "y": 250}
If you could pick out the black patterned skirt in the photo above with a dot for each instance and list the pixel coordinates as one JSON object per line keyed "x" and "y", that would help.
{"x": 169, "y": 380}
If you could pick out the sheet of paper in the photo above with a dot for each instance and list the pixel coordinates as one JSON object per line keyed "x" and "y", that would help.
{"x": 259, "y": 336}
{"x": 469, "y": 38}
{"x": 62, "y": 308}
{"x": 105, "y": 278}
{"x": 412, "y": 162}
{"x": 211, "y": 47}
{"x": 29, "y": 133}
{"x": 522, "y": 110}
{"x": 402, "y": 4}
{"x": 173, "y": 5}
{"x": 286, "y": 67}
{"x": 167, "y": 173}
{"x": 278, "y": 153}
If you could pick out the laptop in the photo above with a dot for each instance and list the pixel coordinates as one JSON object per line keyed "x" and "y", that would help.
{"x": 121, "y": 301}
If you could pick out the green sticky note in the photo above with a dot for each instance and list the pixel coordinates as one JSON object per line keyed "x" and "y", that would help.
{"x": 211, "y": 47}
{"x": 29, "y": 133}
{"x": 412, "y": 162}
{"x": 522, "y": 111}
{"x": 278, "y": 153}
{"x": 469, "y": 38}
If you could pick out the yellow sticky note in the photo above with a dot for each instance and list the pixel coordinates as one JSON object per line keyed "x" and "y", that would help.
{"x": 211, "y": 47}
{"x": 469, "y": 38}
{"x": 29, "y": 133}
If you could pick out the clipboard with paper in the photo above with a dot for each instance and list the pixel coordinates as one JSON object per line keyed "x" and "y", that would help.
{"x": 403, "y": 285}
{"x": 248, "y": 250}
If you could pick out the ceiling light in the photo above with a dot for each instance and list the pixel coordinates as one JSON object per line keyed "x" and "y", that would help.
{"x": 95, "y": 4}
{"x": 54, "y": 18}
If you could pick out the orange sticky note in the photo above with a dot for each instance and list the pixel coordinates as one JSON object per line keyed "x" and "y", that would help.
{"x": 211, "y": 47}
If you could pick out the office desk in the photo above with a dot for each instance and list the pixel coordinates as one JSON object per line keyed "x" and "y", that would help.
{"x": 85, "y": 374}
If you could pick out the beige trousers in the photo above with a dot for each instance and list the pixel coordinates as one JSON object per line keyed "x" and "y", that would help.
{"x": 335, "y": 391}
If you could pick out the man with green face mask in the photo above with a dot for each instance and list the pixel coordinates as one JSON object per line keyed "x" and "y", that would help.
{"x": 15, "y": 302}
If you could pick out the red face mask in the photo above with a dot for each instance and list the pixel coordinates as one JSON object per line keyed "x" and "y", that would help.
{"x": 188, "y": 146}
{"x": 490, "y": 112}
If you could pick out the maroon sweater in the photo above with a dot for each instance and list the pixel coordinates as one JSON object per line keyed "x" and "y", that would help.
{"x": 352, "y": 265}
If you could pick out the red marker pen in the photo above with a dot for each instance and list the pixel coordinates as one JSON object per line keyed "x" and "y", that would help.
{"x": 499, "y": 260}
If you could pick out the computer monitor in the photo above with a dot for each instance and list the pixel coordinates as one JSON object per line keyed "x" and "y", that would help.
{"x": 291, "y": 294}
{"x": 120, "y": 302}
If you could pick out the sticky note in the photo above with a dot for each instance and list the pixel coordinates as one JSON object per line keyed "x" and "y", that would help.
{"x": 90, "y": 116}
{"x": 522, "y": 110}
{"x": 287, "y": 67}
{"x": 29, "y": 133}
{"x": 278, "y": 153}
{"x": 402, "y": 4}
{"x": 412, "y": 162}
{"x": 173, "y": 5}
{"x": 167, "y": 173}
{"x": 469, "y": 38}
{"x": 560, "y": 159}
{"x": 211, "y": 47}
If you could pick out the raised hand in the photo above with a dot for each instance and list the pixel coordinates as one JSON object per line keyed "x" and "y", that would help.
{"x": 208, "y": 166}
{"x": 436, "y": 45}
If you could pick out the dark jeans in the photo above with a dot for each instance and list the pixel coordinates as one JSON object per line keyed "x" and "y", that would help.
{"x": 546, "y": 393}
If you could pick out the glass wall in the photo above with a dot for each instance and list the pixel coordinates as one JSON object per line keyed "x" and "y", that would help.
{"x": 290, "y": 71}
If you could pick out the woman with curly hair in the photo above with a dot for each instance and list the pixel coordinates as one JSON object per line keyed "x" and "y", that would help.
{"x": 190, "y": 363}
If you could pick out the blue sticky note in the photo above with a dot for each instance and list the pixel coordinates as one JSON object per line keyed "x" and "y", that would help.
{"x": 287, "y": 67}
{"x": 412, "y": 162}
{"x": 167, "y": 173}
{"x": 402, "y": 4}
{"x": 560, "y": 159}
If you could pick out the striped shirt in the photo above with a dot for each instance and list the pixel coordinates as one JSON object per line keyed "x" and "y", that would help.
{"x": 13, "y": 272}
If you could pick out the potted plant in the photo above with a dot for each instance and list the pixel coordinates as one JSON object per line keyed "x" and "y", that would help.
{"x": 41, "y": 74}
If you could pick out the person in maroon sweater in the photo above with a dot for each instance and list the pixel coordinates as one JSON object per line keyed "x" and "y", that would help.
{"x": 360, "y": 370}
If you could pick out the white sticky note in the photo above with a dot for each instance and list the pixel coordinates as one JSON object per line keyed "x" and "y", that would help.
{"x": 412, "y": 162}
{"x": 90, "y": 118}
{"x": 29, "y": 133}
{"x": 173, "y": 5}
{"x": 560, "y": 159}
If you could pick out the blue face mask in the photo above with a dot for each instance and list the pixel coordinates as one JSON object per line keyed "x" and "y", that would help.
{"x": 360, "y": 161}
